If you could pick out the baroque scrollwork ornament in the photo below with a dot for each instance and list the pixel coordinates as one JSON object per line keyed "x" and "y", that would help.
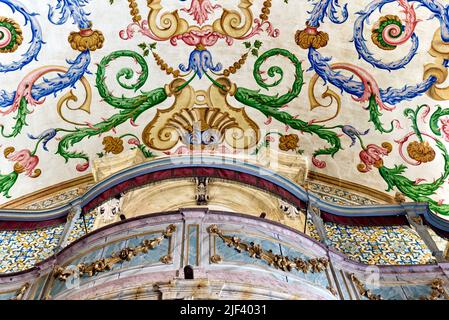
{"x": 107, "y": 264}
{"x": 200, "y": 120}
{"x": 167, "y": 259}
{"x": 232, "y": 24}
{"x": 438, "y": 292}
{"x": 216, "y": 259}
{"x": 363, "y": 291}
{"x": 255, "y": 251}
{"x": 209, "y": 119}
{"x": 440, "y": 51}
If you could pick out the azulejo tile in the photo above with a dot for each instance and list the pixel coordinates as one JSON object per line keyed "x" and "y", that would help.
{"x": 395, "y": 245}
{"x": 79, "y": 229}
{"x": 340, "y": 196}
{"x": 21, "y": 250}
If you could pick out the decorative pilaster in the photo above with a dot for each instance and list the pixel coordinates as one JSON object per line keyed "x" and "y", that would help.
{"x": 314, "y": 213}
{"x": 417, "y": 224}
{"x": 192, "y": 243}
{"x": 108, "y": 263}
{"x": 73, "y": 215}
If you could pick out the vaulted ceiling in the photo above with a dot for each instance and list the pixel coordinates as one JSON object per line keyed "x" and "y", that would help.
{"x": 357, "y": 90}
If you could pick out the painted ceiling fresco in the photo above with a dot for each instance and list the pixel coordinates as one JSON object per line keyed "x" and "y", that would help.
{"x": 357, "y": 87}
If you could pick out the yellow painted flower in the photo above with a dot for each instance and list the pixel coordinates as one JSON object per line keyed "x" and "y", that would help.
{"x": 289, "y": 142}
{"x": 86, "y": 39}
{"x": 311, "y": 37}
{"x": 8, "y": 151}
{"x": 113, "y": 145}
{"x": 421, "y": 151}
{"x": 10, "y": 35}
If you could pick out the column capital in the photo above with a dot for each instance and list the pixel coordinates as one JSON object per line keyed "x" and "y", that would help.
{"x": 75, "y": 210}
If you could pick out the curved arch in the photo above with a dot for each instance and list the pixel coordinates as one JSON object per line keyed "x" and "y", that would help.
{"x": 220, "y": 167}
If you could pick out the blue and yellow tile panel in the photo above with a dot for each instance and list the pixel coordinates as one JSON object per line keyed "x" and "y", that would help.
{"x": 395, "y": 245}
{"x": 21, "y": 250}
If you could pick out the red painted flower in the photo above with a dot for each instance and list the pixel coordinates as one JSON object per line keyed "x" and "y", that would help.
{"x": 82, "y": 167}
{"x": 445, "y": 128}
{"x": 134, "y": 141}
{"x": 320, "y": 164}
{"x": 372, "y": 156}
{"x": 25, "y": 161}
